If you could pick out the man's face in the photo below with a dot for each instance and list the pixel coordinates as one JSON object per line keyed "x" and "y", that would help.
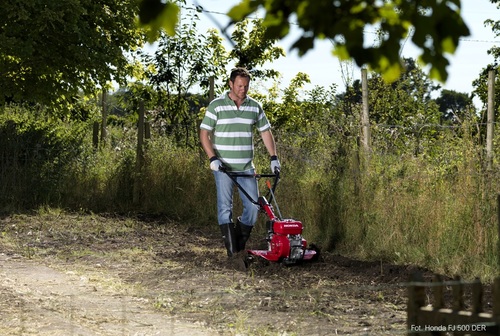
{"x": 239, "y": 87}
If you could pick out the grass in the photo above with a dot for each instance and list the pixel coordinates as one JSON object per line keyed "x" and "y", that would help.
{"x": 446, "y": 223}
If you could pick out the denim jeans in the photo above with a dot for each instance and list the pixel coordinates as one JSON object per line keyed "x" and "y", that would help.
{"x": 225, "y": 187}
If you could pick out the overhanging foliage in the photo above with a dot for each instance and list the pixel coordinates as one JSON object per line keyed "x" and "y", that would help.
{"x": 49, "y": 50}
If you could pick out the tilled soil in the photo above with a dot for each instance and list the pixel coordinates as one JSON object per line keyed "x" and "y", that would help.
{"x": 76, "y": 274}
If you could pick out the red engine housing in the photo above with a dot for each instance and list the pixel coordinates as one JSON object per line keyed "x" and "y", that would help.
{"x": 287, "y": 226}
{"x": 285, "y": 238}
{"x": 285, "y": 242}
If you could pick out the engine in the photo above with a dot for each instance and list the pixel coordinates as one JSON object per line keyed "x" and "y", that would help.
{"x": 285, "y": 240}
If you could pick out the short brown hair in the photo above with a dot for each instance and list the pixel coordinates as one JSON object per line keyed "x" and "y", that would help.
{"x": 240, "y": 71}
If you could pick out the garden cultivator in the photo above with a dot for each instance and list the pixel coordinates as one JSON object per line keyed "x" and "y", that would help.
{"x": 284, "y": 236}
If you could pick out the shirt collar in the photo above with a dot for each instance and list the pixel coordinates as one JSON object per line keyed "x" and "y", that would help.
{"x": 228, "y": 98}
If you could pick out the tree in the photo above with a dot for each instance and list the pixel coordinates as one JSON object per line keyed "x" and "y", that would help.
{"x": 454, "y": 105}
{"x": 252, "y": 49}
{"x": 481, "y": 83}
{"x": 434, "y": 26}
{"x": 178, "y": 63}
{"x": 495, "y": 27}
{"x": 399, "y": 103}
{"x": 190, "y": 58}
{"x": 403, "y": 112}
{"x": 49, "y": 50}
{"x": 285, "y": 112}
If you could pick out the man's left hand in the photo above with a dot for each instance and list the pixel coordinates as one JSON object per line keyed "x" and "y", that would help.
{"x": 275, "y": 164}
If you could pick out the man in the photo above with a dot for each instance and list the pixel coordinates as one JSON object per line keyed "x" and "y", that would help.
{"x": 226, "y": 135}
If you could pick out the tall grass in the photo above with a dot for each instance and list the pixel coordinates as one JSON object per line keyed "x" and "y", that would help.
{"x": 439, "y": 214}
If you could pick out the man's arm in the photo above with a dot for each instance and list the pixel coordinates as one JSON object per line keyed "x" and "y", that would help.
{"x": 268, "y": 138}
{"x": 206, "y": 143}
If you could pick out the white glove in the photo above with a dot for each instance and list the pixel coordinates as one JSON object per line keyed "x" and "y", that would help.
{"x": 275, "y": 164}
{"x": 215, "y": 163}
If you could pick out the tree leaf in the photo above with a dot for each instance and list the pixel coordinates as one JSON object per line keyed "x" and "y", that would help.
{"x": 448, "y": 45}
{"x": 341, "y": 52}
{"x": 166, "y": 19}
{"x": 149, "y": 10}
{"x": 243, "y": 9}
{"x": 392, "y": 71}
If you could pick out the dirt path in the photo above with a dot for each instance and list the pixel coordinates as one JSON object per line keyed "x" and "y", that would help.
{"x": 39, "y": 300}
{"x": 102, "y": 275}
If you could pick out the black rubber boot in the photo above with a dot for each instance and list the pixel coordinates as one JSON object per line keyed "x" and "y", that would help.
{"x": 229, "y": 237}
{"x": 242, "y": 234}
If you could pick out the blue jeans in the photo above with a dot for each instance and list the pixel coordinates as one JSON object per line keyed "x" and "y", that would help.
{"x": 225, "y": 187}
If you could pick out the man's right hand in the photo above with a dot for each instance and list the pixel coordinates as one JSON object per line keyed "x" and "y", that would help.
{"x": 215, "y": 163}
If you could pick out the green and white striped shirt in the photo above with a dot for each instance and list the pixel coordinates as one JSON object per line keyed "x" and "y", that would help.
{"x": 233, "y": 130}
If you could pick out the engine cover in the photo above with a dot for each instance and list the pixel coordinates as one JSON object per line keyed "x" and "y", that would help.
{"x": 285, "y": 242}
{"x": 280, "y": 247}
{"x": 287, "y": 227}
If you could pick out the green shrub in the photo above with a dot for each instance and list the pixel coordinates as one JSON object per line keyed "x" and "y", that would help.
{"x": 36, "y": 155}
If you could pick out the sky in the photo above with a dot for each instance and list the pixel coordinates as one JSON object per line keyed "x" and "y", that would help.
{"x": 324, "y": 69}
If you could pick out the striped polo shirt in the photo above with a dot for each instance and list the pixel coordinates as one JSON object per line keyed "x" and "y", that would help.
{"x": 233, "y": 130}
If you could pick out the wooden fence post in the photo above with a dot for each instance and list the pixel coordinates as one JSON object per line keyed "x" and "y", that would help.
{"x": 212, "y": 88}
{"x": 458, "y": 294}
{"x": 491, "y": 118}
{"x": 438, "y": 292}
{"x": 416, "y": 299}
{"x": 477, "y": 296}
{"x": 496, "y": 298}
{"x": 365, "y": 120}
{"x": 147, "y": 130}
{"x": 104, "y": 120}
{"x": 95, "y": 135}
{"x": 498, "y": 227}
{"x": 139, "y": 162}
